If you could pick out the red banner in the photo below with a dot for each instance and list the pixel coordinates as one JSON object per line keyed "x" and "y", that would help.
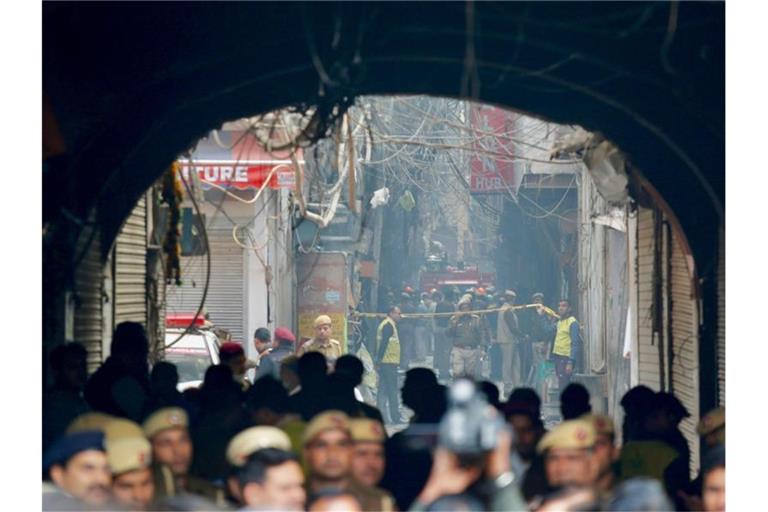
{"x": 236, "y": 159}
{"x": 243, "y": 175}
{"x": 492, "y": 166}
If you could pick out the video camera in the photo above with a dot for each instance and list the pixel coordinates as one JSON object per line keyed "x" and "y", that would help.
{"x": 471, "y": 426}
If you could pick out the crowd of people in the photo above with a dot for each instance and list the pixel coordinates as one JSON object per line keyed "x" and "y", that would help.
{"x": 482, "y": 333}
{"x": 298, "y": 438}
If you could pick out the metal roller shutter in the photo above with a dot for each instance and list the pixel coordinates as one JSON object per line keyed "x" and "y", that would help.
{"x": 131, "y": 268}
{"x": 225, "y": 302}
{"x": 685, "y": 345}
{"x": 87, "y": 328}
{"x": 721, "y": 320}
{"x": 648, "y": 350}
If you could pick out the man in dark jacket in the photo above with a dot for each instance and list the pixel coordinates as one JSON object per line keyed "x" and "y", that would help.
{"x": 64, "y": 401}
{"x": 283, "y": 347}
{"x": 120, "y": 386}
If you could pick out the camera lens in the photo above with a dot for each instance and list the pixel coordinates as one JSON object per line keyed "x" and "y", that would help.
{"x": 462, "y": 390}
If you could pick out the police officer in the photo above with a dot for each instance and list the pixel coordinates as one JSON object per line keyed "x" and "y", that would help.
{"x": 387, "y": 360}
{"x": 265, "y": 473}
{"x": 569, "y": 456}
{"x": 328, "y": 453}
{"x": 130, "y": 461}
{"x": 369, "y": 461}
{"x": 442, "y": 356}
{"x": 111, "y": 426}
{"x": 322, "y": 342}
{"x": 128, "y": 454}
{"x": 469, "y": 336}
{"x": 77, "y": 465}
{"x": 168, "y": 431}
{"x": 605, "y": 450}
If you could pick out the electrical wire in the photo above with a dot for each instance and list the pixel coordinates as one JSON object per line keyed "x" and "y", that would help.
{"x": 208, "y": 265}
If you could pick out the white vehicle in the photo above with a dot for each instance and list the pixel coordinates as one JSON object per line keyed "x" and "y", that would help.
{"x": 193, "y": 353}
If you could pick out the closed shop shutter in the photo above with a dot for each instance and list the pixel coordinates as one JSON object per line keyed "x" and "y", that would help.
{"x": 648, "y": 350}
{"x": 721, "y": 321}
{"x": 88, "y": 297}
{"x": 225, "y": 302}
{"x": 685, "y": 354}
{"x": 130, "y": 274}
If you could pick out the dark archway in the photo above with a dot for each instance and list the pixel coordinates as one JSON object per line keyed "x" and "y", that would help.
{"x": 131, "y": 85}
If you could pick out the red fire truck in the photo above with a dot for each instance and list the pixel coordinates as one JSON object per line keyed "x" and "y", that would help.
{"x": 438, "y": 275}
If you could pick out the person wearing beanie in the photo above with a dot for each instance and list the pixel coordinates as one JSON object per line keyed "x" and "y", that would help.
{"x": 77, "y": 465}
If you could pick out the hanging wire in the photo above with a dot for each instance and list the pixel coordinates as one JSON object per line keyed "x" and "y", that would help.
{"x": 208, "y": 265}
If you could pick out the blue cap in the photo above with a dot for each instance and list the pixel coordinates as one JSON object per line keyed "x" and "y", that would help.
{"x": 71, "y": 444}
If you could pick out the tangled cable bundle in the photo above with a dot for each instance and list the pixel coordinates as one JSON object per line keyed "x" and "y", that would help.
{"x": 172, "y": 196}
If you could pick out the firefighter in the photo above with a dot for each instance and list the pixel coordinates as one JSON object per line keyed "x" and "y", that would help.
{"x": 470, "y": 338}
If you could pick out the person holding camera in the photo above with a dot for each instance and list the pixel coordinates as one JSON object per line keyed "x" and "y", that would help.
{"x": 472, "y": 460}
{"x": 470, "y": 337}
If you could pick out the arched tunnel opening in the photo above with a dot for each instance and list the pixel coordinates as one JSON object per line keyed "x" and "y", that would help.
{"x": 400, "y": 179}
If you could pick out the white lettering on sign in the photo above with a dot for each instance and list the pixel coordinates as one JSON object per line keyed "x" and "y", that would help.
{"x": 219, "y": 173}
{"x": 251, "y": 173}
{"x": 483, "y": 183}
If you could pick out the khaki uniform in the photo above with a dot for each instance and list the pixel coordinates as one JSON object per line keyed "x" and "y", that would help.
{"x": 509, "y": 343}
{"x": 372, "y": 498}
{"x": 166, "y": 486}
{"x": 469, "y": 335}
{"x": 330, "y": 349}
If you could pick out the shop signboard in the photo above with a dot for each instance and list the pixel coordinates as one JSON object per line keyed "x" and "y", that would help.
{"x": 492, "y": 165}
{"x": 238, "y": 160}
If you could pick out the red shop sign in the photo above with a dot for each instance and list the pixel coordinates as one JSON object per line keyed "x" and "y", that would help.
{"x": 242, "y": 175}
